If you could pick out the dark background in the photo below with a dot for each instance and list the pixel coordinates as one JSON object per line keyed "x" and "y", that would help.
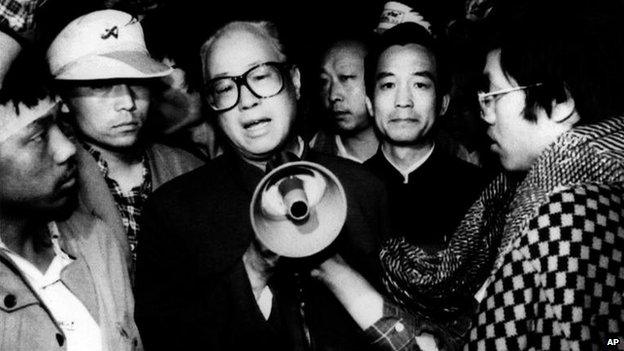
{"x": 177, "y": 28}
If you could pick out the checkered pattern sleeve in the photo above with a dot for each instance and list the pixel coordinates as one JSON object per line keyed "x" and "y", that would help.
{"x": 400, "y": 330}
{"x": 561, "y": 285}
{"x": 18, "y": 15}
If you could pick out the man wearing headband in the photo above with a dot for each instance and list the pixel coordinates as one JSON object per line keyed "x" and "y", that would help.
{"x": 105, "y": 74}
{"x": 64, "y": 283}
{"x": 350, "y": 131}
{"x": 201, "y": 276}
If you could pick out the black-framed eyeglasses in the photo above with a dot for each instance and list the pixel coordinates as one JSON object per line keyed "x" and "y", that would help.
{"x": 263, "y": 81}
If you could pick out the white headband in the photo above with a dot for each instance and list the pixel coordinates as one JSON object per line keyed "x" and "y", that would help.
{"x": 11, "y": 122}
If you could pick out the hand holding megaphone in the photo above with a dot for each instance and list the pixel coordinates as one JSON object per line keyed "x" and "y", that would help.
{"x": 296, "y": 211}
{"x": 355, "y": 293}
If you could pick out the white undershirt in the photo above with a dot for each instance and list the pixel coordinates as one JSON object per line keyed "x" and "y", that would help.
{"x": 412, "y": 168}
{"x": 80, "y": 329}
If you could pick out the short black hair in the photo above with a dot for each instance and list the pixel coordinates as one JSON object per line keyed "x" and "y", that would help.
{"x": 574, "y": 50}
{"x": 28, "y": 80}
{"x": 404, "y": 34}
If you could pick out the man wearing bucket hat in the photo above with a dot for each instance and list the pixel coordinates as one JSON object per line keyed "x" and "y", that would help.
{"x": 105, "y": 73}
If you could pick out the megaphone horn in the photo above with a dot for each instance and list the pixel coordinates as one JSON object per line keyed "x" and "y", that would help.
{"x": 298, "y": 209}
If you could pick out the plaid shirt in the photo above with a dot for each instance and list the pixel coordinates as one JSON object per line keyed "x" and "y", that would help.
{"x": 19, "y": 15}
{"x": 399, "y": 330}
{"x": 129, "y": 204}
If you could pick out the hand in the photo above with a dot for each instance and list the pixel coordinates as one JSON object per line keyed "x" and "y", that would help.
{"x": 359, "y": 298}
{"x": 260, "y": 264}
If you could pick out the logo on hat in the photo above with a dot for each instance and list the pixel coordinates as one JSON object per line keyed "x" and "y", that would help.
{"x": 74, "y": 55}
{"x": 111, "y": 32}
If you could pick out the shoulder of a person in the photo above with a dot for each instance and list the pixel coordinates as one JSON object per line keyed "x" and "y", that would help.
{"x": 589, "y": 207}
{"x": 88, "y": 228}
{"x": 171, "y": 152}
{"x": 343, "y": 167}
{"x": 206, "y": 175}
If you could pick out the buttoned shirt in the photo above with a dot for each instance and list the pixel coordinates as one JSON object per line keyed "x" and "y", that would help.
{"x": 81, "y": 330}
{"x": 129, "y": 204}
{"x": 398, "y": 330}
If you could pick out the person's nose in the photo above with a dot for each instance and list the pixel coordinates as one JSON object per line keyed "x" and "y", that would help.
{"x": 125, "y": 97}
{"x": 61, "y": 147}
{"x": 487, "y": 114}
{"x": 247, "y": 99}
{"x": 404, "y": 97}
{"x": 336, "y": 92}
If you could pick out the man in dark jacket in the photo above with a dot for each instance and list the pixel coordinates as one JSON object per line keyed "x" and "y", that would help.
{"x": 428, "y": 189}
{"x": 202, "y": 279}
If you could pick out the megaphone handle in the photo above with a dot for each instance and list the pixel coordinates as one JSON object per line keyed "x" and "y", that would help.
{"x": 301, "y": 302}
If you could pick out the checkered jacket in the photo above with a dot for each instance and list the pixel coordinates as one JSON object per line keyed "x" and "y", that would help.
{"x": 549, "y": 249}
{"x": 558, "y": 280}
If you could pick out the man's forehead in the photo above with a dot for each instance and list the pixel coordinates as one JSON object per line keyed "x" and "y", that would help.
{"x": 346, "y": 49}
{"x": 236, "y": 51}
{"x": 344, "y": 58}
{"x": 13, "y": 120}
{"x": 410, "y": 56}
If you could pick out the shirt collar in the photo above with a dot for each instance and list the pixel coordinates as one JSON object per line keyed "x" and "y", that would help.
{"x": 405, "y": 173}
{"x": 101, "y": 162}
{"x": 342, "y": 150}
{"x": 301, "y": 146}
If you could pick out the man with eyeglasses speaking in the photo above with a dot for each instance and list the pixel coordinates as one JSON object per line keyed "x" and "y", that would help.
{"x": 201, "y": 279}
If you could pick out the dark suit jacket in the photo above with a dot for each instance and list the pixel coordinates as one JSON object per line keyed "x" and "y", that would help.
{"x": 191, "y": 285}
{"x": 427, "y": 209}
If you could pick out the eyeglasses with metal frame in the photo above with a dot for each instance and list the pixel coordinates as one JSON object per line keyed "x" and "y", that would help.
{"x": 488, "y": 100}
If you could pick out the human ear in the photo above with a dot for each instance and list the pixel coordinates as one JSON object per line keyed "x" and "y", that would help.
{"x": 369, "y": 107}
{"x": 295, "y": 77}
{"x": 444, "y": 104}
{"x": 564, "y": 112}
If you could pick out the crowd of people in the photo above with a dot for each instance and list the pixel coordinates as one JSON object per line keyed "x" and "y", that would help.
{"x": 125, "y": 189}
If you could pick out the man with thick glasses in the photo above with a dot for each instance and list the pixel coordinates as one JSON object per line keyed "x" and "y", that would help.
{"x": 201, "y": 276}
{"x": 540, "y": 250}
{"x": 264, "y": 81}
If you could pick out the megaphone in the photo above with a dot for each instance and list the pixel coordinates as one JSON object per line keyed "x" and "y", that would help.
{"x": 298, "y": 209}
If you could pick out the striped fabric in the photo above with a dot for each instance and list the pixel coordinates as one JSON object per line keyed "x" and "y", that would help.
{"x": 488, "y": 237}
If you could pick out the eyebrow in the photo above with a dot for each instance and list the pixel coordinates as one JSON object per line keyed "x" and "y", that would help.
{"x": 247, "y": 68}
{"x": 425, "y": 74}
{"x": 43, "y": 121}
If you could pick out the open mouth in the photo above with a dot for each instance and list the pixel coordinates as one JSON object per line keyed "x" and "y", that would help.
{"x": 256, "y": 123}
